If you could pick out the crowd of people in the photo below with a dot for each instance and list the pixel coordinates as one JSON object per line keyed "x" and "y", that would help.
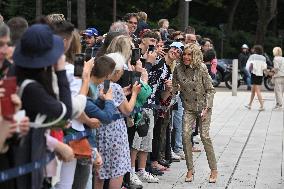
{"x": 84, "y": 110}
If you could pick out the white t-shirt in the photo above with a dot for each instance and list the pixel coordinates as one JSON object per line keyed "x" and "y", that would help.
{"x": 278, "y": 62}
{"x": 75, "y": 86}
{"x": 258, "y": 63}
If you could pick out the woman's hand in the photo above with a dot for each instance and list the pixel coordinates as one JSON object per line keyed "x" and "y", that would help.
{"x": 169, "y": 85}
{"x": 24, "y": 126}
{"x": 127, "y": 90}
{"x": 88, "y": 66}
{"x": 136, "y": 88}
{"x": 16, "y": 101}
{"x": 98, "y": 162}
{"x": 7, "y": 129}
{"x": 204, "y": 114}
{"x": 94, "y": 123}
{"x": 107, "y": 96}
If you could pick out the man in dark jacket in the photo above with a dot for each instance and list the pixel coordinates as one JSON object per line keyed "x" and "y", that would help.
{"x": 242, "y": 60}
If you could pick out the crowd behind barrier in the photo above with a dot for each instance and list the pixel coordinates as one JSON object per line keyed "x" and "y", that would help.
{"x": 83, "y": 110}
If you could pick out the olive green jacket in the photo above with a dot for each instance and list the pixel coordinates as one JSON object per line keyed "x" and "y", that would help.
{"x": 195, "y": 85}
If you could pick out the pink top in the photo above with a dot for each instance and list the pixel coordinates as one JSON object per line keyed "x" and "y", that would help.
{"x": 214, "y": 66}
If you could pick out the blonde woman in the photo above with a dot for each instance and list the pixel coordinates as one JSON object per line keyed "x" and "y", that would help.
{"x": 191, "y": 78}
{"x": 278, "y": 63}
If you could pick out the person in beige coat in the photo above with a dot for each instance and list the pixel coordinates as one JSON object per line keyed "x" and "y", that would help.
{"x": 191, "y": 78}
{"x": 278, "y": 63}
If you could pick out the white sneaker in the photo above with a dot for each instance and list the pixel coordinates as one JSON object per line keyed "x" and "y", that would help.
{"x": 180, "y": 154}
{"x": 175, "y": 156}
{"x": 134, "y": 180}
{"x": 147, "y": 177}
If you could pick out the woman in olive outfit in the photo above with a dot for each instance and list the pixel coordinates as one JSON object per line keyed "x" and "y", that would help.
{"x": 191, "y": 78}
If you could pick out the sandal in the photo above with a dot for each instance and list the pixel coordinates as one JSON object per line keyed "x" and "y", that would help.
{"x": 213, "y": 176}
{"x": 189, "y": 179}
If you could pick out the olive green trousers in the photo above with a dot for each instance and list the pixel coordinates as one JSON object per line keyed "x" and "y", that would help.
{"x": 189, "y": 118}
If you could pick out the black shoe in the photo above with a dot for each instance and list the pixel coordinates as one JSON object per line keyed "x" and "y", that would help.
{"x": 164, "y": 163}
{"x": 175, "y": 160}
{"x": 248, "y": 88}
{"x": 132, "y": 186}
{"x": 154, "y": 171}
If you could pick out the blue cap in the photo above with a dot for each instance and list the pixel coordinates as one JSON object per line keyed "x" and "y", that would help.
{"x": 178, "y": 45}
{"x": 91, "y": 32}
{"x": 38, "y": 48}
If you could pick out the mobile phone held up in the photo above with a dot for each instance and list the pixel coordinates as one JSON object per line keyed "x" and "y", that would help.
{"x": 79, "y": 64}
{"x": 135, "y": 56}
{"x": 106, "y": 86}
{"x": 89, "y": 53}
{"x": 7, "y": 106}
{"x": 151, "y": 48}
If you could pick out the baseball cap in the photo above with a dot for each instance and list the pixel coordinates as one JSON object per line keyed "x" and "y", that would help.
{"x": 245, "y": 46}
{"x": 91, "y": 32}
{"x": 178, "y": 45}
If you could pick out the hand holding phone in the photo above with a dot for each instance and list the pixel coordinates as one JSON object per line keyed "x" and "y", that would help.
{"x": 106, "y": 86}
{"x": 79, "y": 64}
{"x": 135, "y": 56}
{"x": 151, "y": 48}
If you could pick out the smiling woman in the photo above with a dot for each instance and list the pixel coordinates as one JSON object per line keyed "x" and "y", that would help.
{"x": 191, "y": 78}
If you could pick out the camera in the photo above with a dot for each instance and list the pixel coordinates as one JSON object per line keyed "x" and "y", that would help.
{"x": 135, "y": 56}
{"x": 79, "y": 64}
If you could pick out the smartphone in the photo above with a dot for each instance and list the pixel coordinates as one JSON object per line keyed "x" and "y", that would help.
{"x": 89, "y": 53}
{"x": 106, "y": 86}
{"x": 166, "y": 49}
{"x": 135, "y": 56}
{"x": 135, "y": 77}
{"x": 7, "y": 106}
{"x": 151, "y": 48}
{"x": 79, "y": 64}
{"x": 143, "y": 60}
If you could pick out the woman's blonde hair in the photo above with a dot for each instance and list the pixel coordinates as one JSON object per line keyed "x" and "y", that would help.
{"x": 121, "y": 44}
{"x": 197, "y": 56}
{"x": 277, "y": 51}
{"x": 142, "y": 16}
{"x": 75, "y": 47}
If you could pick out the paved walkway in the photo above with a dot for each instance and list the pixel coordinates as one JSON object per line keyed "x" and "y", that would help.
{"x": 248, "y": 146}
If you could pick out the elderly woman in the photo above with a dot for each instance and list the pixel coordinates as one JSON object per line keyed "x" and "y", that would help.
{"x": 278, "y": 62}
{"x": 191, "y": 78}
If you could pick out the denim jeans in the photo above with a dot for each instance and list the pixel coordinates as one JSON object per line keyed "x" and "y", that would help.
{"x": 177, "y": 124}
{"x": 247, "y": 76}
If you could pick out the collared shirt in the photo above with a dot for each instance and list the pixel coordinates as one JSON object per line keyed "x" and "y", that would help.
{"x": 197, "y": 91}
{"x": 157, "y": 76}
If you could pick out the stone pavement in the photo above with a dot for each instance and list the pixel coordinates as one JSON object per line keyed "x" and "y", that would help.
{"x": 248, "y": 145}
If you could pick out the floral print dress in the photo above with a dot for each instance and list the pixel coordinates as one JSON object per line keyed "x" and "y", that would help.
{"x": 113, "y": 142}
